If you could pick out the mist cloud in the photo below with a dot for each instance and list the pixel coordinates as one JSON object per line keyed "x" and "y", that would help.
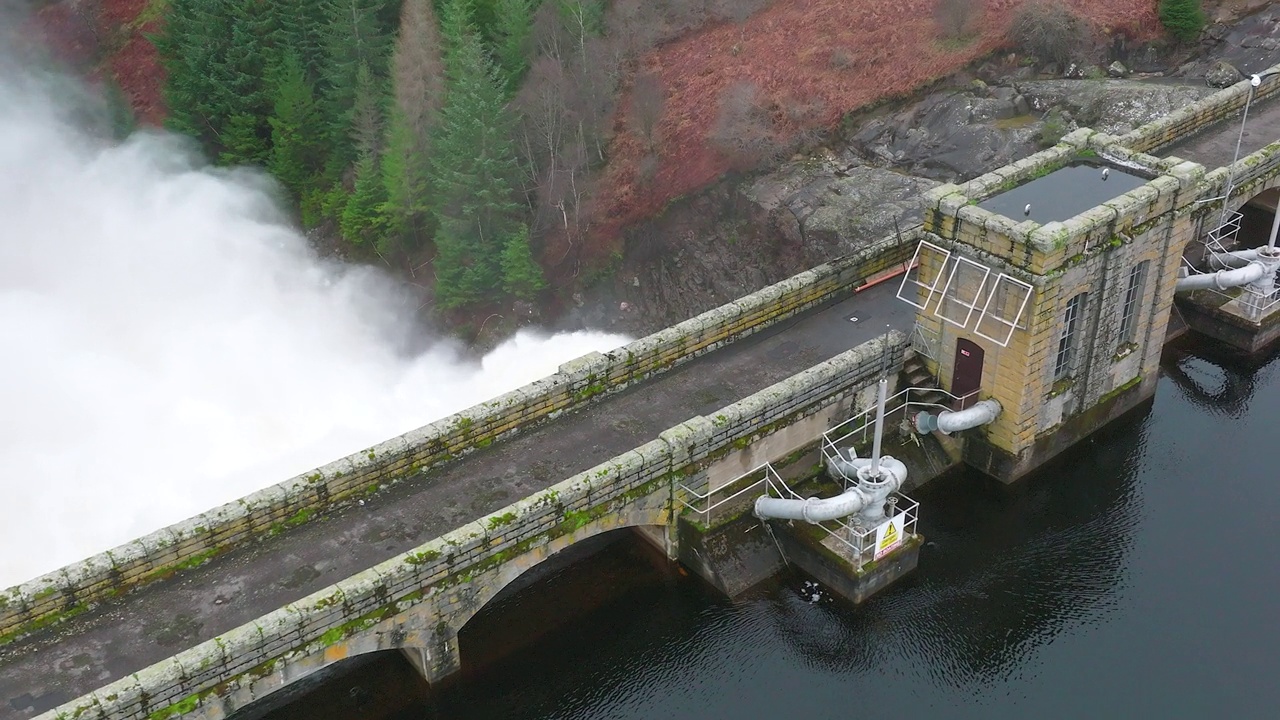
{"x": 171, "y": 343}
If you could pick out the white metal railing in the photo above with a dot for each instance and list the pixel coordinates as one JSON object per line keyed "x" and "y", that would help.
{"x": 858, "y": 429}
{"x": 1224, "y": 236}
{"x": 758, "y": 477}
{"x": 1255, "y": 303}
{"x": 925, "y": 341}
{"x": 859, "y": 542}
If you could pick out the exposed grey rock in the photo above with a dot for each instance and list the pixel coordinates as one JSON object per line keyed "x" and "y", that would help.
{"x": 1117, "y": 70}
{"x": 1216, "y": 31}
{"x": 1112, "y": 106}
{"x": 849, "y": 212}
{"x": 1147, "y": 60}
{"x": 1222, "y": 74}
{"x": 950, "y": 134}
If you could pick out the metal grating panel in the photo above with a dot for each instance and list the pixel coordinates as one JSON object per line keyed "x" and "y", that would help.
{"x": 1003, "y": 310}
{"x": 924, "y": 274}
{"x": 962, "y": 292}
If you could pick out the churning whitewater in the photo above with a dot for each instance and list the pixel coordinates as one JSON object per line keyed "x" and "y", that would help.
{"x": 171, "y": 343}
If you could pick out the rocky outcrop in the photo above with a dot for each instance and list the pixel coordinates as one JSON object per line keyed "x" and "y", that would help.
{"x": 1112, "y": 106}
{"x": 1222, "y": 74}
{"x": 1247, "y": 40}
{"x": 959, "y": 134}
{"x": 836, "y": 205}
{"x": 746, "y": 233}
{"x": 952, "y": 134}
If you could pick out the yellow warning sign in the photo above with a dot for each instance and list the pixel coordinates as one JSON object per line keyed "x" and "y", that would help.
{"x": 888, "y": 536}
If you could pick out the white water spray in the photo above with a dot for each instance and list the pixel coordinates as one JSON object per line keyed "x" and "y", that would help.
{"x": 171, "y": 344}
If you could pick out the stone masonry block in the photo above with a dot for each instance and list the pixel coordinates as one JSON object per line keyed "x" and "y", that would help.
{"x": 973, "y": 216}
{"x": 1188, "y": 173}
{"x": 165, "y": 675}
{"x": 684, "y": 439}
{"x": 124, "y": 693}
{"x": 1078, "y": 138}
{"x": 983, "y": 186}
{"x": 130, "y": 560}
{"x": 420, "y": 439}
{"x": 91, "y": 571}
{"x": 935, "y": 195}
{"x": 591, "y": 363}
{"x": 1049, "y": 237}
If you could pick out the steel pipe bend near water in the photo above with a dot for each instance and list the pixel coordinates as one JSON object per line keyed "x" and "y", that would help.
{"x": 849, "y": 502}
{"x": 953, "y": 421}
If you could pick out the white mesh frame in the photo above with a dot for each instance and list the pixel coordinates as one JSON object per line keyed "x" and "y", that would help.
{"x": 1017, "y": 317}
{"x": 972, "y": 305}
{"x": 915, "y": 266}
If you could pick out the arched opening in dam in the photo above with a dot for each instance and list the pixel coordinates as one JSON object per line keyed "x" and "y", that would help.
{"x": 593, "y": 575}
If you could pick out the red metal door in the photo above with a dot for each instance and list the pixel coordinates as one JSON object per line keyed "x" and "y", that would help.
{"x": 967, "y": 375}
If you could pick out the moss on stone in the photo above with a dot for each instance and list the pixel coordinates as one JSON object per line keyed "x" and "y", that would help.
{"x": 182, "y": 707}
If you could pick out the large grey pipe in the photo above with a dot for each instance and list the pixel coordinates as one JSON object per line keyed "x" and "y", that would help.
{"x": 863, "y": 496}
{"x": 1233, "y": 259}
{"x": 948, "y": 421}
{"x": 1224, "y": 279}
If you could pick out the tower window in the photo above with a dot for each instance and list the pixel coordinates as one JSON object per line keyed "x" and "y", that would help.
{"x": 1066, "y": 341}
{"x": 1132, "y": 293}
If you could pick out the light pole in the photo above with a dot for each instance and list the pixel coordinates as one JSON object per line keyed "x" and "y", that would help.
{"x": 1255, "y": 80}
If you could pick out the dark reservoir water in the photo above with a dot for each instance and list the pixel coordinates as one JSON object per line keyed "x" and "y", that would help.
{"x": 1139, "y": 577}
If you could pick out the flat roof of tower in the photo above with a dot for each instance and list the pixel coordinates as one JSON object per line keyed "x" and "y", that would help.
{"x": 1063, "y": 193}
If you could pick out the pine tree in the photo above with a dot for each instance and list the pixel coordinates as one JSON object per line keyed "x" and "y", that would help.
{"x": 362, "y": 219}
{"x": 367, "y": 113}
{"x": 192, "y": 47}
{"x": 296, "y": 150}
{"x": 300, "y": 26}
{"x": 216, "y": 56}
{"x": 353, "y": 37}
{"x": 513, "y": 23}
{"x": 473, "y": 170}
{"x": 521, "y": 275}
{"x": 242, "y": 141}
{"x": 1183, "y": 18}
{"x": 418, "y": 89}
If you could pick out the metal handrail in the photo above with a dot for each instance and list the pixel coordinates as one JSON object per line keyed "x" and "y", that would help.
{"x": 840, "y": 434}
{"x": 768, "y": 474}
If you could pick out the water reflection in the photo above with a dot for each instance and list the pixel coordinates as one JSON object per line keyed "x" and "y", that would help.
{"x": 1215, "y": 377}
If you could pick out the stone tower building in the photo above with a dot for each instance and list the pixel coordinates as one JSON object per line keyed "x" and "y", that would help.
{"x": 1047, "y": 285}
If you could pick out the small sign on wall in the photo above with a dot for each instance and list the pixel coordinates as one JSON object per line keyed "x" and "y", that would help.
{"x": 889, "y": 535}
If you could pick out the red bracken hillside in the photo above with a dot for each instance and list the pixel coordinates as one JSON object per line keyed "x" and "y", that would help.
{"x": 811, "y": 61}
{"x": 107, "y": 38}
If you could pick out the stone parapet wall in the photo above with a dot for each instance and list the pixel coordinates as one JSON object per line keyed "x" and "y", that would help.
{"x": 435, "y": 574}
{"x": 1247, "y": 177}
{"x": 69, "y": 591}
{"x": 1186, "y": 122}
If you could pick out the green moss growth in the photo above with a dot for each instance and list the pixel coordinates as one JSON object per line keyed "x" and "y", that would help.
{"x": 421, "y": 558}
{"x": 44, "y": 621}
{"x": 182, "y": 707}
{"x": 498, "y": 521}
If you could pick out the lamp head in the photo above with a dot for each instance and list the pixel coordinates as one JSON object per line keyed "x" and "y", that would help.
{"x": 1255, "y": 80}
